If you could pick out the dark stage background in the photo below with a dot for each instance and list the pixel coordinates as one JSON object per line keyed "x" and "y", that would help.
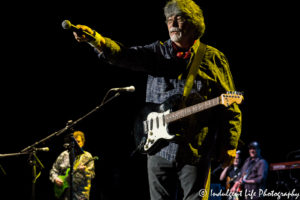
{"x": 47, "y": 78}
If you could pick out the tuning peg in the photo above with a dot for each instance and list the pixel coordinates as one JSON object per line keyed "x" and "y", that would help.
{"x": 235, "y": 92}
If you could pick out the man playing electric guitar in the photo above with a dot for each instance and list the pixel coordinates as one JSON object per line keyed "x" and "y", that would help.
{"x": 253, "y": 174}
{"x": 231, "y": 173}
{"x": 183, "y": 65}
{"x": 83, "y": 172}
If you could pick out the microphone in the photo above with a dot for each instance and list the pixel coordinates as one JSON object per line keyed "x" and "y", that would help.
{"x": 126, "y": 89}
{"x": 42, "y": 149}
{"x": 66, "y": 24}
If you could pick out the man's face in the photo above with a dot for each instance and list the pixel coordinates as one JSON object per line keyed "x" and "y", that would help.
{"x": 236, "y": 160}
{"x": 180, "y": 29}
{"x": 253, "y": 152}
{"x": 79, "y": 141}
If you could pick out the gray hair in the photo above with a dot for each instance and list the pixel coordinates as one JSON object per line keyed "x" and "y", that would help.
{"x": 188, "y": 9}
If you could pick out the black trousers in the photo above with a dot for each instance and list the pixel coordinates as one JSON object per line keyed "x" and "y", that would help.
{"x": 175, "y": 180}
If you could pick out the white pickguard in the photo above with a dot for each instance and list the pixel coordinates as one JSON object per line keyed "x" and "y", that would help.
{"x": 156, "y": 129}
{"x": 156, "y": 123}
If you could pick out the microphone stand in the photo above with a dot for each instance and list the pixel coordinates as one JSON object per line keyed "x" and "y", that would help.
{"x": 34, "y": 161}
{"x": 12, "y": 154}
{"x": 71, "y": 150}
{"x": 70, "y": 124}
{"x": 2, "y": 170}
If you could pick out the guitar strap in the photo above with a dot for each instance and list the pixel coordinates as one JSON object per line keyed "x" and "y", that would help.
{"x": 195, "y": 60}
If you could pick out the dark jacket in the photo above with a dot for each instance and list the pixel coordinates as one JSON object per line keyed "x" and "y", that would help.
{"x": 216, "y": 131}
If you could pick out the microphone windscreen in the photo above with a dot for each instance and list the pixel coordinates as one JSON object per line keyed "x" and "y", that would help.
{"x": 66, "y": 24}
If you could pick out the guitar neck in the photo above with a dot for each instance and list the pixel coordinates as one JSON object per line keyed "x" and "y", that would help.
{"x": 174, "y": 116}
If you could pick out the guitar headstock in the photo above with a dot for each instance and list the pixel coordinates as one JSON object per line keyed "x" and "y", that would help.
{"x": 95, "y": 158}
{"x": 231, "y": 97}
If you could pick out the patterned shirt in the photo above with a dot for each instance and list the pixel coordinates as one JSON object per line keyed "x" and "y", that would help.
{"x": 81, "y": 180}
{"x": 159, "y": 90}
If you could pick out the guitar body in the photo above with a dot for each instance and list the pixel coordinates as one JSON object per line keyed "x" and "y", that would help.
{"x": 156, "y": 123}
{"x": 228, "y": 179}
{"x": 151, "y": 120}
{"x": 59, "y": 190}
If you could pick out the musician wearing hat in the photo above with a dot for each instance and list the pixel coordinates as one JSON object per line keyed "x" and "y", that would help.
{"x": 253, "y": 173}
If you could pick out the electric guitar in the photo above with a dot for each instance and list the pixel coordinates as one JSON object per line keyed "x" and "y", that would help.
{"x": 59, "y": 190}
{"x": 237, "y": 188}
{"x": 229, "y": 180}
{"x": 152, "y": 125}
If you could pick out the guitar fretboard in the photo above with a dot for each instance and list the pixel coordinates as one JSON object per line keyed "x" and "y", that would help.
{"x": 191, "y": 110}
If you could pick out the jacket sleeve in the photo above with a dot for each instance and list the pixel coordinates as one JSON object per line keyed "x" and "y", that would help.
{"x": 232, "y": 122}
{"x": 154, "y": 59}
{"x": 218, "y": 73}
{"x": 59, "y": 166}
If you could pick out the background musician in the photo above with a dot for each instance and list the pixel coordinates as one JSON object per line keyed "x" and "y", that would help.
{"x": 253, "y": 173}
{"x": 83, "y": 171}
